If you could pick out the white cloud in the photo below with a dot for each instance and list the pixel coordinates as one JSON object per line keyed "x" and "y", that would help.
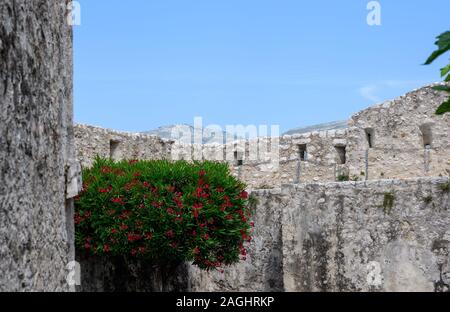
{"x": 372, "y": 91}
{"x": 369, "y": 92}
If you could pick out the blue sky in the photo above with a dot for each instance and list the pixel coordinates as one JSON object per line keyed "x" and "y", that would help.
{"x": 142, "y": 64}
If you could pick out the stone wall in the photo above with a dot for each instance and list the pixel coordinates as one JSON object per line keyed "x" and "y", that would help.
{"x": 408, "y": 140}
{"x": 386, "y": 235}
{"x": 398, "y": 129}
{"x": 36, "y": 146}
{"x": 93, "y": 141}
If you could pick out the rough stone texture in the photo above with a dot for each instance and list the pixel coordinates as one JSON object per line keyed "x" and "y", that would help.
{"x": 331, "y": 236}
{"x": 36, "y": 145}
{"x": 93, "y": 141}
{"x": 353, "y": 237}
{"x": 398, "y": 147}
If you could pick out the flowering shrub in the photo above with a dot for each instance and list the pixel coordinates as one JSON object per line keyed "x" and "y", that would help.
{"x": 163, "y": 212}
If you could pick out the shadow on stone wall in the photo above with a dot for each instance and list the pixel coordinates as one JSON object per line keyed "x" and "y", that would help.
{"x": 120, "y": 274}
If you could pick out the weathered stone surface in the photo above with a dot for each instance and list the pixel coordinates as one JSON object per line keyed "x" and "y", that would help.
{"x": 387, "y": 235}
{"x": 93, "y": 141}
{"x": 36, "y": 142}
{"x": 344, "y": 237}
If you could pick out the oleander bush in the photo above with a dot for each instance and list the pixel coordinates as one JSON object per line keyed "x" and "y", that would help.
{"x": 164, "y": 212}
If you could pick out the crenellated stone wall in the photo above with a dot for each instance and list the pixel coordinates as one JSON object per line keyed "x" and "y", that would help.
{"x": 407, "y": 140}
{"x": 94, "y": 141}
{"x": 398, "y": 129}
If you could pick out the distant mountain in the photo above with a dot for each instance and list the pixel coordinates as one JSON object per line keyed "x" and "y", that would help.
{"x": 185, "y": 134}
{"x": 335, "y": 125}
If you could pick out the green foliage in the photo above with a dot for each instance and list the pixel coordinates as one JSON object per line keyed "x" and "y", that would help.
{"x": 163, "y": 212}
{"x": 443, "y": 43}
{"x": 343, "y": 178}
{"x": 428, "y": 199}
{"x": 388, "y": 202}
{"x": 346, "y": 177}
{"x": 445, "y": 187}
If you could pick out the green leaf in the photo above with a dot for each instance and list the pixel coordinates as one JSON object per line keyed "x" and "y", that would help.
{"x": 443, "y": 43}
{"x": 444, "y": 108}
{"x": 442, "y": 88}
{"x": 448, "y": 78}
{"x": 445, "y": 70}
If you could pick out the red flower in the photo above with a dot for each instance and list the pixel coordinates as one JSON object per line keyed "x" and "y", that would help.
{"x": 229, "y": 217}
{"x": 132, "y": 237}
{"x": 106, "y": 248}
{"x": 142, "y": 249}
{"x": 78, "y": 218}
{"x": 105, "y": 190}
{"x": 133, "y": 161}
{"x": 123, "y": 227}
{"x": 202, "y": 173}
{"x": 252, "y": 224}
{"x": 106, "y": 169}
{"x": 136, "y": 174}
{"x": 170, "y": 233}
{"x": 197, "y": 206}
{"x": 173, "y": 245}
{"x": 170, "y": 211}
{"x": 196, "y": 250}
{"x": 118, "y": 200}
{"x": 206, "y": 236}
{"x": 219, "y": 190}
{"x": 87, "y": 214}
{"x": 114, "y": 231}
{"x": 133, "y": 252}
{"x": 87, "y": 245}
{"x": 125, "y": 215}
{"x": 148, "y": 236}
{"x": 243, "y": 195}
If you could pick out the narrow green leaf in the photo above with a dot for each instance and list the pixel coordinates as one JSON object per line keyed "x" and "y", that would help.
{"x": 445, "y": 70}
{"x": 443, "y": 39}
{"x": 448, "y": 78}
{"x": 436, "y": 54}
{"x": 443, "y": 43}
{"x": 444, "y": 108}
